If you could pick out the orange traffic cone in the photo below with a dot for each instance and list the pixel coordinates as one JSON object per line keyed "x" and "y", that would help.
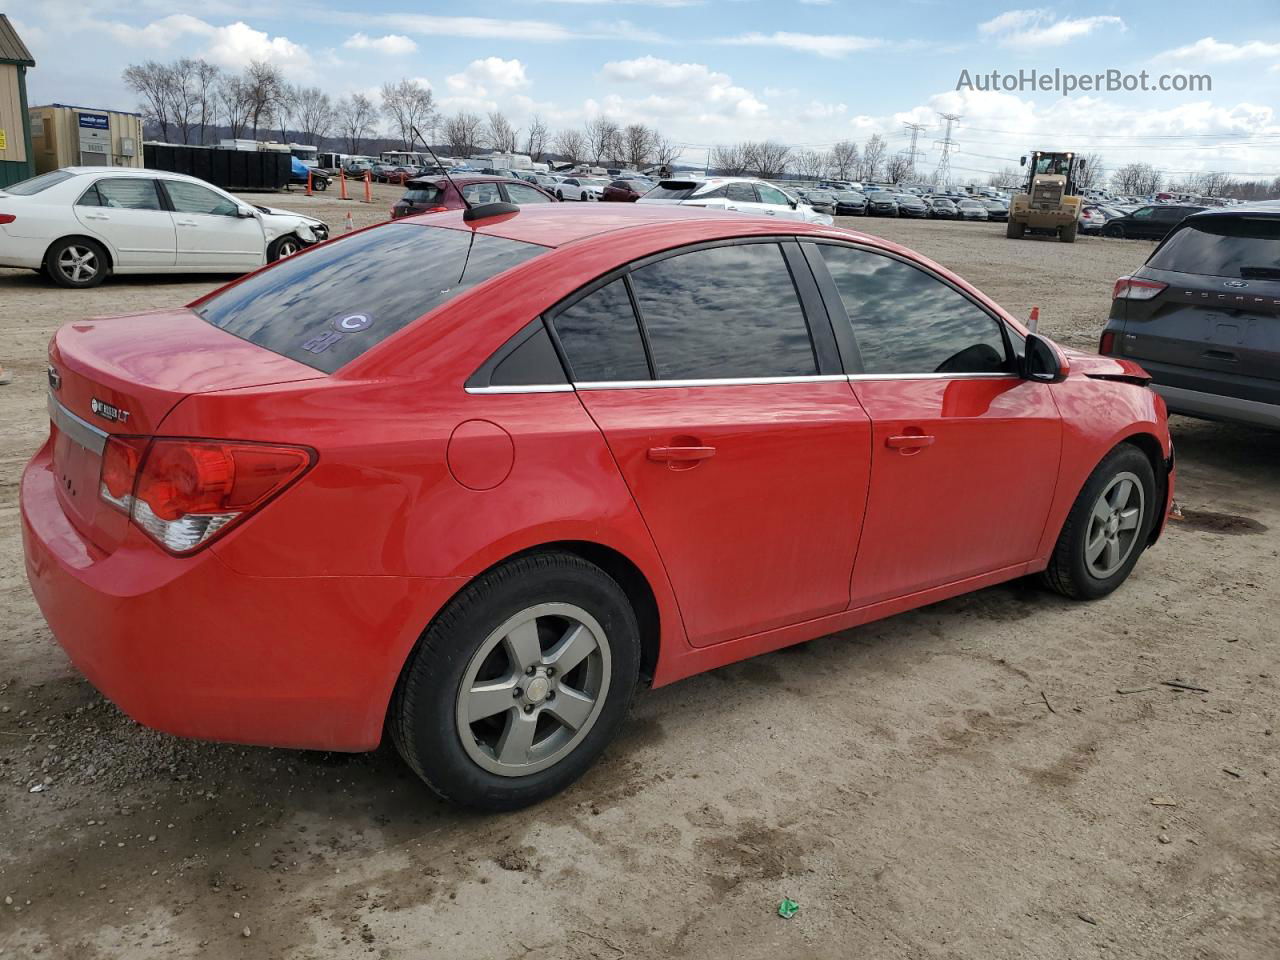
{"x": 349, "y": 224}
{"x": 1034, "y": 320}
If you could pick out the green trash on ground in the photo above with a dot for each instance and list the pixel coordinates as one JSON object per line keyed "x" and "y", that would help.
{"x": 788, "y": 908}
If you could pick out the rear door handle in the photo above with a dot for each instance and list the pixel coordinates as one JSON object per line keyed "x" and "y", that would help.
{"x": 95, "y": 216}
{"x": 909, "y": 441}
{"x": 185, "y": 223}
{"x": 680, "y": 454}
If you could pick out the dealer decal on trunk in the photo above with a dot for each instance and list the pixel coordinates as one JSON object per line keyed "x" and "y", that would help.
{"x": 108, "y": 411}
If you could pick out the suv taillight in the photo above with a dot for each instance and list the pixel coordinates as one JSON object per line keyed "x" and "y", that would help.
{"x": 1131, "y": 288}
{"x": 184, "y": 493}
{"x": 1107, "y": 343}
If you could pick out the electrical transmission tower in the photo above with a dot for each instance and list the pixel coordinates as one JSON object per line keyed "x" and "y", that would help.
{"x": 943, "y": 173}
{"x": 912, "y": 152}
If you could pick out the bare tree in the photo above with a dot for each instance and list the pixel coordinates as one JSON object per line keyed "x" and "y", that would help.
{"x": 233, "y": 98}
{"x": 153, "y": 83}
{"x": 1136, "y": 179}
{"x": 636, "y": 145}
{"x": 499, "y": 134}
{"x": 409, "y": 106}
{"x": 315, "y": 114}
{"x": 283, "y": 108}
{"x": 1009, "y": 178}
{"x": 1089, "y": 172}
{"x": 602, "y": 139}
{"x": 184, "y": 97}
{"x": 207, "y": 79}
{"x": 263, "y": 88}
{"x": 535, "y": 144}
{"x": 872, "y": 156}
{"x": 462, "y": 133}
{"x": 571, "y": 144}
{"x": 810, "y": 164}
{"x": 897, "y": 167}
{"x": 664, "y": 151}
{"x": 768, "y": 158}
{"x": 729, "y": 159}
{"x": 356, "y": 120}
{"x": 844, "y": 160}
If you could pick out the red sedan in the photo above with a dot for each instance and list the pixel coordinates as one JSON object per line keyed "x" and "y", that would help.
{"x": 472, "y": 479}
{"x": 626, "y": 191}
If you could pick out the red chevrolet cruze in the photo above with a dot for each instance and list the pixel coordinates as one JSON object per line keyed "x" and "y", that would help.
{"x": 472, "y": 478}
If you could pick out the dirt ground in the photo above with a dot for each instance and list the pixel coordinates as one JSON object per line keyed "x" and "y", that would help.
{"x": 1004, "y": 775}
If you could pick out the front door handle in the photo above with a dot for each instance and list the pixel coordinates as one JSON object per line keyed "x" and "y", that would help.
{"x": 95, "y": 216}
{"x": 909, "y": 441}
{"x": 186, "y": 223}
{"x": 679, "y": 458}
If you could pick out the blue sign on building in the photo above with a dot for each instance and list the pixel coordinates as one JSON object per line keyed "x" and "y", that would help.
{"x": 94, "y": 121}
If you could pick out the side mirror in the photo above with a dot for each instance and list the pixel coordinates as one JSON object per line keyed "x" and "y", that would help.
{"x": 794, "y": 204}
{"x": 1042, "y": 361}
{"x": 1022, "y": 161}
{"x": 246, "y": 213}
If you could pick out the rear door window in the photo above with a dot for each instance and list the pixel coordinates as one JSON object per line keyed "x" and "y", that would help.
{"x": 478, "y": 193}
{"x": 329, "y": 305}
{"x": 740, "y": 193}
{"x": 1236, "y": 247}
{"x": 729, "y": 311}
{"x": 128, "y": 193}
{"x": 523, "y": 194}
{"x": 601, "y": 338}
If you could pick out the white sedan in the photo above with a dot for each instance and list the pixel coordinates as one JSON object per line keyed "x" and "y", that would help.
{"x": 580, "y": 188}
{"x": 739, "y": 194}
{"x": 79, "y": 224}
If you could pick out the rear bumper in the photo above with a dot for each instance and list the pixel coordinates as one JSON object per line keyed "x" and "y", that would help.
{"x": 1215, "y": 406}
{"x": 188, "y": 646}
{"x": 21, "y": 251}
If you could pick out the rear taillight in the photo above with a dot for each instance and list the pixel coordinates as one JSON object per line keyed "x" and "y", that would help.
{"x": 1131, "y": 288}
{"x": 436, "y": 210}
{"x": 183, "y": 493}
{"x": 7, "y": 218}
{"x": 1107, "y": 343}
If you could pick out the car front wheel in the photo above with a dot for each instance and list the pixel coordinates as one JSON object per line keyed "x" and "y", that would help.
{"x": 1113, "y": 230}
{"x": 519, "y": 684}
{"x": 282, "y": 247}
{"x": 1107, "y": 528}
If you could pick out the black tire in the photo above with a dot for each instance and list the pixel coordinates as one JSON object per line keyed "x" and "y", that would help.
{"x": 560, "y": 195}
{"x": 423, "y": 717}
{"x": 1067, "y": 233}
{"x": 1068, "y": 572}
{"x": 1015, "y": 229}
{"x": 1113, "y": 230}
{"x": 282, "y": 247}
{"x": 68, "y": 268}
{"x": 319, "y": 184}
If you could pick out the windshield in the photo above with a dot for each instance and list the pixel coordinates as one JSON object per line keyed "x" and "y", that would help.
{"x": 329, "y": 305}
{"x": 25, "y": 188}
{"x": 1052, "y": 165}
{"x": 1223, "y": 246}
{"x": 672, "y": 190}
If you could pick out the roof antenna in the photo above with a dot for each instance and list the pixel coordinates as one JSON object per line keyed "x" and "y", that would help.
{"x": 472, "y": 213}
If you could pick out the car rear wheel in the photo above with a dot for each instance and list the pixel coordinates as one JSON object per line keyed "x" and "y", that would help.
{"x": 519, "y": 684}
{"x": 1113, "y": 230}
{"x": 282, "y": 247}
{"x": 1107, "y": 528}
{"x": 76, "y": 262}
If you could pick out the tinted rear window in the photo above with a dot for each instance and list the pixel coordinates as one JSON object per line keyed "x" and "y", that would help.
{"x": 1236, "y": 247}
{"x": 422, "y": 192}
{"x": 672, "y": 190}
{"x": 326, "y": 307}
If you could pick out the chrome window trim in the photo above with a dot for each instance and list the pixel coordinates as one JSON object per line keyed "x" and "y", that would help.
{"x": 708, "y": 382}
{"x": 731, "y": 382}
{"x": 81, "y": 431}
{"x": 524, "y": 388}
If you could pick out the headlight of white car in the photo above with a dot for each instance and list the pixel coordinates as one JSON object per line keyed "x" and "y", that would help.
{"x": 306, "y": 233}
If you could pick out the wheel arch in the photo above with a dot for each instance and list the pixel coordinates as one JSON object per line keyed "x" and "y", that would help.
{"x": 1150, "y": 446}
{"x": 106, "y": 247}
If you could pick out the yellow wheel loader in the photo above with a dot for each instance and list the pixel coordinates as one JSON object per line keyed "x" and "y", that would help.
{"x": 1048, "y": 202}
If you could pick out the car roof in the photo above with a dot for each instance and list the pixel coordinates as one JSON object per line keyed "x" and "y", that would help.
{"x": 131, "y": 172}
{"x": 1258, "y": 208}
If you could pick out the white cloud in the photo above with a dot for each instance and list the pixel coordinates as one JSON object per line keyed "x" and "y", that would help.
{"x": 1039, "y": 28}
{"x": 822, "y": 44}
{"x": 483, "y": 28}
{"x": 1209, "y": 50}
{"x": 686, "y": 87}
{"x": 236, "y": 45}
{"x": 393, "y": 44}
{"x": 489, "y": 77}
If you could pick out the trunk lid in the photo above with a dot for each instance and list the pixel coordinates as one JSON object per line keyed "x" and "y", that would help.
{"x": 121, "y": 376}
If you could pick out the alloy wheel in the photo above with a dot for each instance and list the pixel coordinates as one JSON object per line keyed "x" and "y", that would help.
{"x": 533, "y": 689}
{"x": 1114, "y": 525}
{"x": 78, "y": 263}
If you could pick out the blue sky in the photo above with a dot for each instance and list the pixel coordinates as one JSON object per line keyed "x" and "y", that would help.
{"x": 716, "y": 71}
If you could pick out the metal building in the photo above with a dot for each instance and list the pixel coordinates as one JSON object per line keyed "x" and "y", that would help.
{"x": 68, "y": 136}
{"x": 15, "y": 129}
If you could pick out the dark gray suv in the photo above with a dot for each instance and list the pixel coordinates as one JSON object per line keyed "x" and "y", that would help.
{"x": 1202, "y": 315}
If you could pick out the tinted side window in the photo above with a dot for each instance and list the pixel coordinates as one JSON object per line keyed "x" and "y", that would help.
{"x": 193, "y": 198}
{"x": 600, "y": 336}
{"x": 740, "y": 193}
{"x": 724, "y": 312}
{"x": 907, "y": 321}
{"x": 719, "y": 193}
{"x": 521, "y": 194}
{"x": 131, "y": 193}
{"x": 478, "y": 193}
